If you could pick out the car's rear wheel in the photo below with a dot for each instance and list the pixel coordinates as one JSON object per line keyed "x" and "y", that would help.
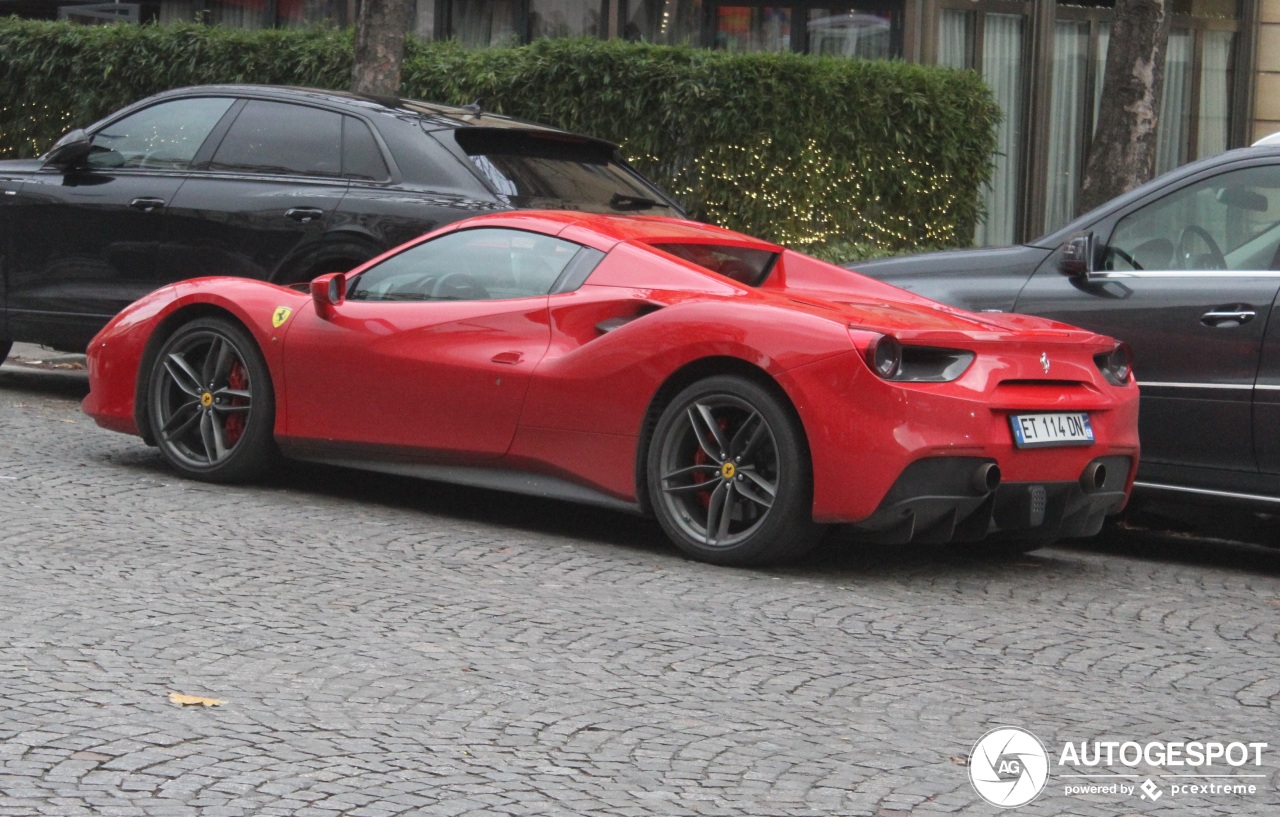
{"x": 211, "y": 403}
{"x": 729, "y": 476}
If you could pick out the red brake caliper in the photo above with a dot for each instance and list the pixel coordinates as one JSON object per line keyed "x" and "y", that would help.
{"x": 238, "y": 379}
{"x": 700, "y": 458}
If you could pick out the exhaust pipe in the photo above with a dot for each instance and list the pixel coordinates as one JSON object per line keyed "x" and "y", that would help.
{"x": 1094, "y": 477}
{"x": 986, "y": 478}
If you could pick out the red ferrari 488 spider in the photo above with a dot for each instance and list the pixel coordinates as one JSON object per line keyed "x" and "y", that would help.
{"x": 742, "y": 393}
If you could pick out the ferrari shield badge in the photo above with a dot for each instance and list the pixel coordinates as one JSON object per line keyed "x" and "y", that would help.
{"x": 281, "y": 315}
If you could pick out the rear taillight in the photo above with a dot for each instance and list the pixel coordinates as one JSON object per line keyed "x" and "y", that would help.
{"x": 891, "y": 360}
{"x": 1117, "y": 365}
{"x": 884, "y": 356}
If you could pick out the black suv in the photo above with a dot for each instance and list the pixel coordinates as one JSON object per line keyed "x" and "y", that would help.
{"x": 281, "y": 184}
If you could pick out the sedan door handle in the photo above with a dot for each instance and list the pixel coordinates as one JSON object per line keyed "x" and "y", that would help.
{"x": 146, "y": 204}
{"x": 510, "y": 358}
{"x": 304, "y": 214}
{"x": 1230, "y": 316}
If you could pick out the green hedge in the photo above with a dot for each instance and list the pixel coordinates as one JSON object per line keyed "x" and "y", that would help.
{"x": 808, "y": 151}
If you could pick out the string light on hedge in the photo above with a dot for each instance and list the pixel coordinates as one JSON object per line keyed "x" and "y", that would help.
{"x": 827, "y": 207}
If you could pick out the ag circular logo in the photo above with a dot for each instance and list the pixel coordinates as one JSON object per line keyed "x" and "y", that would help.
{"x": 1008, "y": 767}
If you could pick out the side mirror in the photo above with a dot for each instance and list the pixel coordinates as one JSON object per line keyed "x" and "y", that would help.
{"x": 328, "y": 292}
{"x": 1076, "y": 259}
{"x": 69, "y": 151}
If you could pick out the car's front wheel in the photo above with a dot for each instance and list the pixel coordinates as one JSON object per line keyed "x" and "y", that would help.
{"x": 5, "y": 346}
{"x": 729, "y": 476}
{"x": 211, "y": 404}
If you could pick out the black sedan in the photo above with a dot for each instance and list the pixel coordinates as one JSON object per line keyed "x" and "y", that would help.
{"x": 1186, "y": 269}
{"x": 280, "y": 184}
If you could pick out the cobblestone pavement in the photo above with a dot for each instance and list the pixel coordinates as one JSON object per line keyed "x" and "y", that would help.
{"x": 383, "y": 646}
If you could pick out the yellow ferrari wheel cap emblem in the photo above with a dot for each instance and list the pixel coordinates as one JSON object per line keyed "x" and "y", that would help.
{"x": 281, "y": 315}
{"x": 728, "y": 470}
{"x": 206, "y": 399}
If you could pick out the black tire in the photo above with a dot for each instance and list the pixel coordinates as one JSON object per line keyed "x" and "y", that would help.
{"x": 5, "y": 346}
{"x": 738, "y": 440}
{"x": 211, "y": 404}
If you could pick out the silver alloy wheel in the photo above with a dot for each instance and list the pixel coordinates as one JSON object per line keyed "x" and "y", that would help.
{"x": 719, "y": 471}
{"x": 201, "y": 399}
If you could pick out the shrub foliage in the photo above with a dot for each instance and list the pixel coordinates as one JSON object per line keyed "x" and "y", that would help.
{"x": 807, "y": 151}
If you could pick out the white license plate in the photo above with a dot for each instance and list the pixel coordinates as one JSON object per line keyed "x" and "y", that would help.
{"x": 1039, "y": 430}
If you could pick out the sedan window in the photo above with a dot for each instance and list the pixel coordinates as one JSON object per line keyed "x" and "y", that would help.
{"x": 282, "y": 139}
{"x": 1228, "y": 222}
{"x": 165, "y": 136}
{"x": 469, "y": 265}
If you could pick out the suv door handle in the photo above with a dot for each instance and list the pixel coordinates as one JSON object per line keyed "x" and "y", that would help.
{"x": 304, "y": 214}
{"x": 146, "y": 204}
{"x": 1229, "y": 316}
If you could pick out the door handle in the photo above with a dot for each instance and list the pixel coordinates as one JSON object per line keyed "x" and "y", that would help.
{"x": 304, "y": 214}
{"x": 1229, "y": 316}
{"x": 146, "y": 204}
{"x": 510, "y": 358}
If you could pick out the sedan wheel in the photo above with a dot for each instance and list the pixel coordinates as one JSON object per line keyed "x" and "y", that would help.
{"x": 729, "y": 475}
{"x": 211, "y": 403}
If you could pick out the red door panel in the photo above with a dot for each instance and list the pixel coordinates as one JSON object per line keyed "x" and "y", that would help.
{"x": 440, "y": 379}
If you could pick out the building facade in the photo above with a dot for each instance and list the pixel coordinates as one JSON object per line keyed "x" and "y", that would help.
{"x": 1043, "y": 60}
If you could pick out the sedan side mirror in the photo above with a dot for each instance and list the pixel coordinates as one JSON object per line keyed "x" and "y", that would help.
{"x": 69, "y": 151}
{"x": 328, "y": 292}
{"x": 1076, "y": 258}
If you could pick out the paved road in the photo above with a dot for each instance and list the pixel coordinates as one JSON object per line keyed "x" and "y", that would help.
{"x": 384, "y": 646}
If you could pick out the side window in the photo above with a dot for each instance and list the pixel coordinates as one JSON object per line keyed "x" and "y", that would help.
{"x": 361, "y": 158}
{"x": 165, "y": 136}
{"x": 742, "y": 264}
{"x": 1229, "y": 222}
{"x": 280, "y": 138}
{"x": 469, "y": 265}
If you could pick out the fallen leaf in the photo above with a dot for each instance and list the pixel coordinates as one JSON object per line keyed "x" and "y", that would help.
{"x": 192, "y": 700}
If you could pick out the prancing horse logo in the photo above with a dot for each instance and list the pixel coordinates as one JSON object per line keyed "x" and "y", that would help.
{"x": 1044, "y": 361}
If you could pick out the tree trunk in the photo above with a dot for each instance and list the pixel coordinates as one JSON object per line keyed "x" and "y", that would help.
{"x": 380, "y": 32}
{"x": 1123, "y": 153}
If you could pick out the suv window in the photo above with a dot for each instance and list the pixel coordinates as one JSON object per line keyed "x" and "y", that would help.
{"x": 1228, "y": 222}
{"x": 280, "y": 138}
{"x": 532, "y": 169}
{"x": 361, "y": 158}
{"x": 469, "y": 265}
{"x": 165, "y": 136}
